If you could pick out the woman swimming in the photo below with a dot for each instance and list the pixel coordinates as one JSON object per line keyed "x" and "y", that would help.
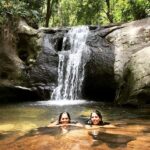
{"x": 94, "y": 124}
{"x": 95, "y": 118}
{"x": 64, "y": 121}
{"x": 96, "y": 121}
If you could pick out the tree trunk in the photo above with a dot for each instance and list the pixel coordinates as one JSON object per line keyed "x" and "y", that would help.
{"x": 108, "y": 13}
{"x": 48, "y": 13}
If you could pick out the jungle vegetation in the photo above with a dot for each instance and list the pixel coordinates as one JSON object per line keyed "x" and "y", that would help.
{"x": 52, "y": 13}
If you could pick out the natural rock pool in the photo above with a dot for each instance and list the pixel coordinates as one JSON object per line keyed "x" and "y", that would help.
{"x": 23, "y": 126}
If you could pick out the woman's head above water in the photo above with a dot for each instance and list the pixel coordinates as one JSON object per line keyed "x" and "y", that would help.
{"x": 64, "y": 121}
{"x": 95, "y": 118}
{"x": 64, "y": 118}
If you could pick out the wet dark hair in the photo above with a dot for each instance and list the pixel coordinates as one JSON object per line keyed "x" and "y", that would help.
{"x": 61, "y": 116}
{"x": 99, "y": 115}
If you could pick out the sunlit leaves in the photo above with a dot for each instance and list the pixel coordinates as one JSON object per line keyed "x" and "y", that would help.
{"x": 139, "y": 8}
{"x": 76, "y": 12}
{"x": 21, "y": 8}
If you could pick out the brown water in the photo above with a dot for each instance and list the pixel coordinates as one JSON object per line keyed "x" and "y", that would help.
{"x": 23, "y": 126}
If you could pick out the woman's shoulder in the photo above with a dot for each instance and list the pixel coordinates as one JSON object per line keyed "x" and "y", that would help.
{"x": 52, "y": 124}
{"x": 103, "y": 124}
{"x": 76, "y": 123}
{"x": 108, "y": 125}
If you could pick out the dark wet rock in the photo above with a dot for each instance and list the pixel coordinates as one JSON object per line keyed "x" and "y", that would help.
{"x": 14, "y": 94}
{"x": 112, "y": 140}
{"x": 42, "y": 90}
{"x": 99, "y": 70}
{"x": 53, "y": 131}
{"x": 54, "y": 30}
{"x": 3, "y": 136}
{"x": 6, "y": 134}
{"x": 44, "y": 70}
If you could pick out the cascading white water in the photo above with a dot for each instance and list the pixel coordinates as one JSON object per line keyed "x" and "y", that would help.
{"x": 71, "y": 65}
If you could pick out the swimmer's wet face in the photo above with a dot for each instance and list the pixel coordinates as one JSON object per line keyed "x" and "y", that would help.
{"x": 95, "y": 119}
{"x": 65, "y": 119}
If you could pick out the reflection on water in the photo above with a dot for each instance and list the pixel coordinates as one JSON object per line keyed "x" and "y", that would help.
{"x": 23, "y": 126}
{"x": 52, "y": 131}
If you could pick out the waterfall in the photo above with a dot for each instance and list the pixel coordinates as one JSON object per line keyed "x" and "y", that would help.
{"x": 71, "y": 65}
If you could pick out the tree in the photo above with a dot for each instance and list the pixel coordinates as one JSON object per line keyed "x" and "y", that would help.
{"x": 109, "y": 13}
{"x": 48, "y": 13}
{"x": 50, "y": 10}
{"x": 74, "y": 12}
{"x": 139, "y": 8}
{"x": 29, "y": 10}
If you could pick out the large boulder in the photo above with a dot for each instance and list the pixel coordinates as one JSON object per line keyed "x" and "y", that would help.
{"x": 136, "y": 87}
{"x": 44, "y": 72}
{"x": 99, "y": 82}
{"x": 129, "y": 43}
{"x": 13, "y": 77}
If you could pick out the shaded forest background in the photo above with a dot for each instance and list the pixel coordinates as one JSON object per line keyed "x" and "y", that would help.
{"x": 52, "y": 13}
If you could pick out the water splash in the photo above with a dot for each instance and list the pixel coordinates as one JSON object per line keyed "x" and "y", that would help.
{"x": 71, "y": 65}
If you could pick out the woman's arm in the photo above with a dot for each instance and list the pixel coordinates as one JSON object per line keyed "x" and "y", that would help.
{"x": 53, "y": 124}
{"x": 78, "y": 124}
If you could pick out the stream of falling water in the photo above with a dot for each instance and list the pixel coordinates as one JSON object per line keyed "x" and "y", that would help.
{"x": 71, "y": 65}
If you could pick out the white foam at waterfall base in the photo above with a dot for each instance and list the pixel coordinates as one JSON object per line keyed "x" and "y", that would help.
{"x": 62, "y": 102}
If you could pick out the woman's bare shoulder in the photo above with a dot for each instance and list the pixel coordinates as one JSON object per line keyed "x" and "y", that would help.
{"x": 99, "y": 126}
{"x": 53, "y": 124}
{"x": 108, "y": 126}
{"x": 92, "y": 126}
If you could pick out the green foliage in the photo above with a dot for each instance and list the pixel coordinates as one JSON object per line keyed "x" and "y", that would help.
{"x": 30, "y": 10}
{"x": 89, "y": 12}
{"x": 75, "y": 12}
{"x": 139, "y": 8}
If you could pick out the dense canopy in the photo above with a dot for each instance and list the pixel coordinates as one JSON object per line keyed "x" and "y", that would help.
{"x": 74, "y": 12}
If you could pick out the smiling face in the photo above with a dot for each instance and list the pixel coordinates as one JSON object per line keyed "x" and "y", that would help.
{"x": 64, "y": 119}
{"x": 95, "y": 119}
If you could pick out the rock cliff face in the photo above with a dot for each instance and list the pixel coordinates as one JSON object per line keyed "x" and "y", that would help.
{"x": 13, "y": 73}
{"x": 117, "y": 68}
{"x": 99, "y": 83}
{"x": 131, "y": 67}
